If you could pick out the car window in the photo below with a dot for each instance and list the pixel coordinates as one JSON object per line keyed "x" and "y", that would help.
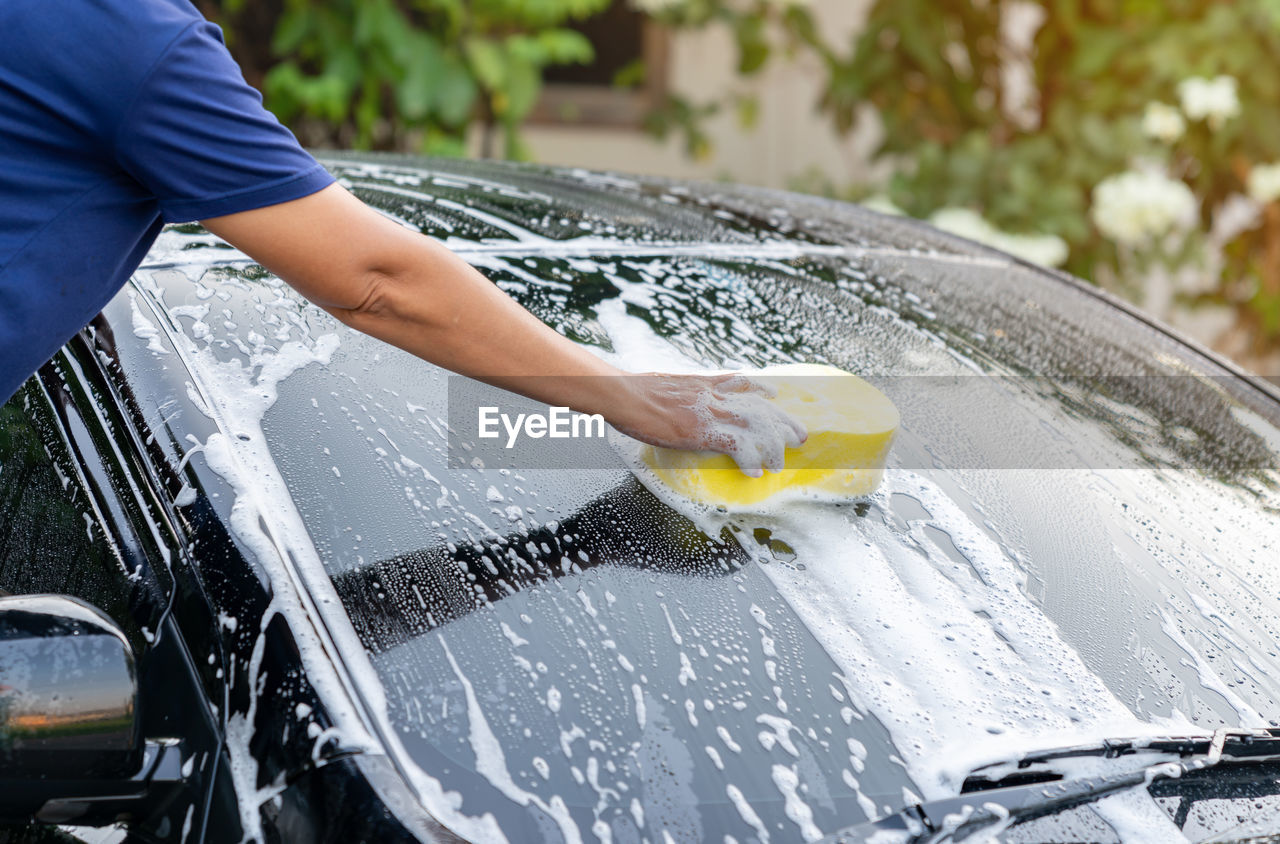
{"x": 1080, "y": 540}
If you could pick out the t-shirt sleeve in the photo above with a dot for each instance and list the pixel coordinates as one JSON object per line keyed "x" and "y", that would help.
{"x": 197, "y": 136}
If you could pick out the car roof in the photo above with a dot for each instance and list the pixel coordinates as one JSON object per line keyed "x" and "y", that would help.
{"x": 562, "y": 647}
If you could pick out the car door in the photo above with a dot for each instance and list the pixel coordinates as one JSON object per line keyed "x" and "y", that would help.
{"x": 79, "y": 516}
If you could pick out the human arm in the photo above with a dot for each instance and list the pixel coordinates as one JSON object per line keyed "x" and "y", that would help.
{"x": 408, "y": 290}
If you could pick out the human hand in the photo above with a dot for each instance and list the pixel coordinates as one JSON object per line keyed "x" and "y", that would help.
{"x": 727, "y": 413}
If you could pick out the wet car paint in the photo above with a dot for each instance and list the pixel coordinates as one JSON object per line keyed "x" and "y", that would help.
{"x": 438, "y": 612}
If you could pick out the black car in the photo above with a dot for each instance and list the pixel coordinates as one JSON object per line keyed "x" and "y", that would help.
{"x": 262, "y": 587}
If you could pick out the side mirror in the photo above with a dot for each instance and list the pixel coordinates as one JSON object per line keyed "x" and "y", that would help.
{"x": 71, "y": 745}
{"x": 68, "y": 691}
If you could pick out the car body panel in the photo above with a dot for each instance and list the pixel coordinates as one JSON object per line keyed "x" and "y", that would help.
{"x": 1076, "y": 529}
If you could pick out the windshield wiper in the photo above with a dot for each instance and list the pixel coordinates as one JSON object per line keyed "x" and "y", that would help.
{"x": 1039, "y": 783}
{"x": 1232, "y": 745}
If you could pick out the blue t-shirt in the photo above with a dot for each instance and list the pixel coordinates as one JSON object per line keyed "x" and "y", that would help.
{"x": 117, "y": 116}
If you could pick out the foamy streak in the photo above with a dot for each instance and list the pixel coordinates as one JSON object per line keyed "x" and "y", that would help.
{"x": 491, "y": 763}
{"x": 265, "y": 518}
{"x": 904, "y": 630}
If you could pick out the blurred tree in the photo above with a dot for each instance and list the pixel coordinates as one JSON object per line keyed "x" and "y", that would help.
{"x": 375, "y": 73}
{"x": 1140, "y": 132}
{"x": 1037, "y": 135}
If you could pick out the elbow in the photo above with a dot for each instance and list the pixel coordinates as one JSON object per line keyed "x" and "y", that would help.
{"x": 403, "y": 294}
{"x": 371, "y": 299}
{"x": 387, "y": 305}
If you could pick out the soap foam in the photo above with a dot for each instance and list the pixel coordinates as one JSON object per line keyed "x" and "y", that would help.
{"x": 900, "y": 625}
{"x": 750, "y": 429}
{"x": 739, "y": 420}
{"x": 955, "y": 689}
{"x": 237, "y": 395}
{"x": 906, "y": 632}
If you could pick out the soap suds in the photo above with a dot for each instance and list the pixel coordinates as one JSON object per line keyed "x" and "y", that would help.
{"x": 492, "y": 764}
{"x": 237, "y": 395}
{"x": 908, "y": 635}
{"x": 894, "y": 620}
{"x": 788, "y": 783}
{"x": 747, "y": 813}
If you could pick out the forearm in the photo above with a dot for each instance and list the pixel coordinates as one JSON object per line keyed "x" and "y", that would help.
{"x": 407, "y": 290}
{"x": 433, "y": 304}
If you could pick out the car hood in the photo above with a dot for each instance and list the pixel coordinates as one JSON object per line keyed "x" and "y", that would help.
{"x": 1074, "y": 536}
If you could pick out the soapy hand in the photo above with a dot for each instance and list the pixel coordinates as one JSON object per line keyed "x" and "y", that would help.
{"x": 728, "y": 413}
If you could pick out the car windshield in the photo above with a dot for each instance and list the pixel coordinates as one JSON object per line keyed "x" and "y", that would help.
{"x": 1077, "y": 544}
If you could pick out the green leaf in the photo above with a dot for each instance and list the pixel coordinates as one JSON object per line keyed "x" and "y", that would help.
{"x": 294, "y": 27}
{"x": 417, "y": 96}
{"x": 488, "y": 62}
{"x": 631, "y": 75}
{"x": 753, "y": 48}
{"x": 367, "y": 23}
{"x": 344, "y": 64}
{"x": 923, "y": 46}
{"x": 456, "y": 93}
{"x": 435, "y": 142}
{"x": 800, "y": 25}
{"x": 524, "y": 84}
{"x": 1098, "y": 49}
{"x": 280, "y": 90}
{"x": 367, "y": 112}
{"x": 566, "y": 46}
{"x": 526, "y": 49}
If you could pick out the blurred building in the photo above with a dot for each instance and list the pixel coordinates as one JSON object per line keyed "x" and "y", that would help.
{"x": 585, "y": 121}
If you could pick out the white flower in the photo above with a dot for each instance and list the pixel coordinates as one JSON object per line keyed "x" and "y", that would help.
{"x": 1137, "y": 206}
{"x": 1163, "y": 122}
{"x": 1264, "y": 182}
{"x": 1211, "y": 100}
{"x": 1046, "y": 249}
{"x": 1233, "y": 216}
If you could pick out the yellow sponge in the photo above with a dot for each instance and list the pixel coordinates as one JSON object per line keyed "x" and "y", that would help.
{"x": 851, "y": 425}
